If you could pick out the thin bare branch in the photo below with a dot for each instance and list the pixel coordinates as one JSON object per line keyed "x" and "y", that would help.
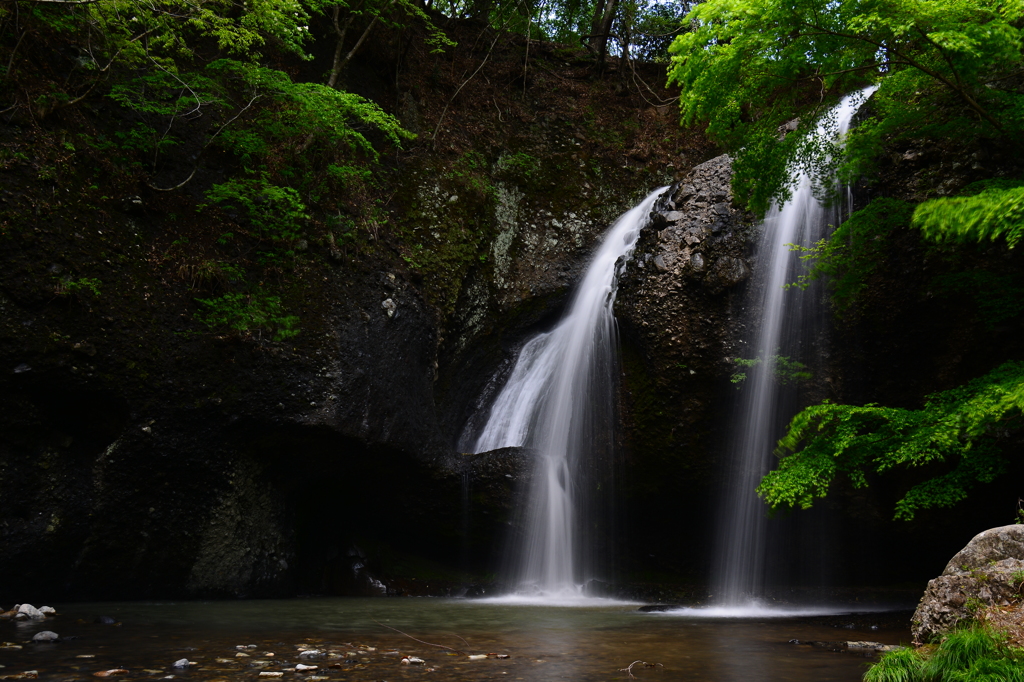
{"x": 440, "y": 119}
{"x": 205, "y": 146}
{"x": 439, "y": 646}
{"x": 10, "y": 62}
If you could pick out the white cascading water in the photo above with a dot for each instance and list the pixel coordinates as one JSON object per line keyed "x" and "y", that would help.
{"x": 739, "y": 575}
{"x": 559, "y": 396}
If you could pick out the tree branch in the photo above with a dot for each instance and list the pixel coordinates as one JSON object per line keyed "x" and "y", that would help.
{"x": 962, "y": 92}
{"x": 205, "y": 146}
{"x": 57, "y": 2}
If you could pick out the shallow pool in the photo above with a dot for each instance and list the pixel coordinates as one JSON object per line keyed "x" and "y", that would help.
{"x": 359, "y": 639}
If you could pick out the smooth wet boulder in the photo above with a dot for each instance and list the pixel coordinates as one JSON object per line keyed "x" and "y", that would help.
{"x": 987, "y": 573}
{"x": 26, "y": 611}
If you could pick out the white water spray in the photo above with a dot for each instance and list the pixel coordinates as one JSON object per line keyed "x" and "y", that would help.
{"x": 740, "y": 563}
{"x": 558, "y": 402}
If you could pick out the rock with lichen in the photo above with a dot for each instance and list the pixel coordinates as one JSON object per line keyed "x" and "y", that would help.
{"x": 986, "y": 574}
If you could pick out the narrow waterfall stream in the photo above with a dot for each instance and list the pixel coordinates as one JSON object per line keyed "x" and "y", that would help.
{"x": 786, "y": 320}
{"x": 558, "y": 402}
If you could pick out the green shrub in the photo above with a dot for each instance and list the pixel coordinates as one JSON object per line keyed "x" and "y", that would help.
{"x": 248, "y": 313}
{"x": 995, "y": 211}
{"x": 785, "y": 370}
{"x": 70, "y": 287}
{"x": 902, "y": 665}
{"x": 957, "y": 426}
{"x": 276, "y": 212}
{"x": 974, "y": 654}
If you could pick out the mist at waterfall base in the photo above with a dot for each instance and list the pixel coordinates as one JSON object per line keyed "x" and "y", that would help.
{"x": 755, "y": 555}
{"x": 559, "y": 404}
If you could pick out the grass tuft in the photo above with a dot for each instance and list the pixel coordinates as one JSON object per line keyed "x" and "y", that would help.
{"x": 975, "y": 654}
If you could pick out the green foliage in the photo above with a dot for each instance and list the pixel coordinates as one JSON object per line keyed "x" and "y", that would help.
{"x": 82, "y": 285}
{"x": 276, "y": 212}
{"x": 852, "y": 254}
{"x": 520, "y": 165}
{"x": 902, "y": 665}
{"x": 957, "y": 426}
{"x": 165, "y": 33}
{"x": 470, "y": 172}
{"x": 300, "y": 113}
{"x": 644, "y": 28}
{"x": 994, "y": 213}
{"x": 784, "y": 370}
{"x": 749, "y": 65}
{"x": 652, "y": 26}
{"x": 199, "y": 71}
{"x": 974, "y": 654}
{"x": 249, "y": 313}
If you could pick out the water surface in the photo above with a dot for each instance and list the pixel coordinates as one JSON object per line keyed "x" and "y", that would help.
{"x": 591, "y": 642}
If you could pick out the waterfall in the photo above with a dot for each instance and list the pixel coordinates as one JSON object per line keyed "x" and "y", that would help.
{"x": 786, "y": 323}
{"x": 559, "y": 403}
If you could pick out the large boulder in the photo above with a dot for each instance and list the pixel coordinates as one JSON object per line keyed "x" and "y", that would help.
{"x": 679, "y": 308}
{"x": 985, "y": 574}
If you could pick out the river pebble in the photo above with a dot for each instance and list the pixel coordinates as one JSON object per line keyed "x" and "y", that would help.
{"x": 110, "y": 673}
{"x": 45, "y": 636}
{"x": 29, "y": 611}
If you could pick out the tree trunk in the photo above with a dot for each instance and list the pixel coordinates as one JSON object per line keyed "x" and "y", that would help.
{"x": 601, "y": 27}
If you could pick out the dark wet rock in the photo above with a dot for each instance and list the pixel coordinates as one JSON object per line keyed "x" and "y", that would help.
{"x": 828, "y": 646}
{"x": 867, "y": 649}
{"x": 983, "y": 574}
{"x": 658, "y": 608}
{"x": 105, "y": 620}
{"x": 598, "y": 588}
{"x": 877, "y": 647}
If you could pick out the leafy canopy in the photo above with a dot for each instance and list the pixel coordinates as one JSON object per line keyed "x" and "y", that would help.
{"x": 996, "y": 212}
{"x": 747, "y": 66}
{"x": 955, "y": 426}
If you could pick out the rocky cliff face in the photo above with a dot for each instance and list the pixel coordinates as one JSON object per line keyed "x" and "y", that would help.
{"x": 144, "y": 453}
{"x": 679, "y": 309}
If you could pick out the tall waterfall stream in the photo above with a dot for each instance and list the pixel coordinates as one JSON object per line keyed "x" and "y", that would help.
{"x": 787, "y": 320}
{"x": 556, "y": 402}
